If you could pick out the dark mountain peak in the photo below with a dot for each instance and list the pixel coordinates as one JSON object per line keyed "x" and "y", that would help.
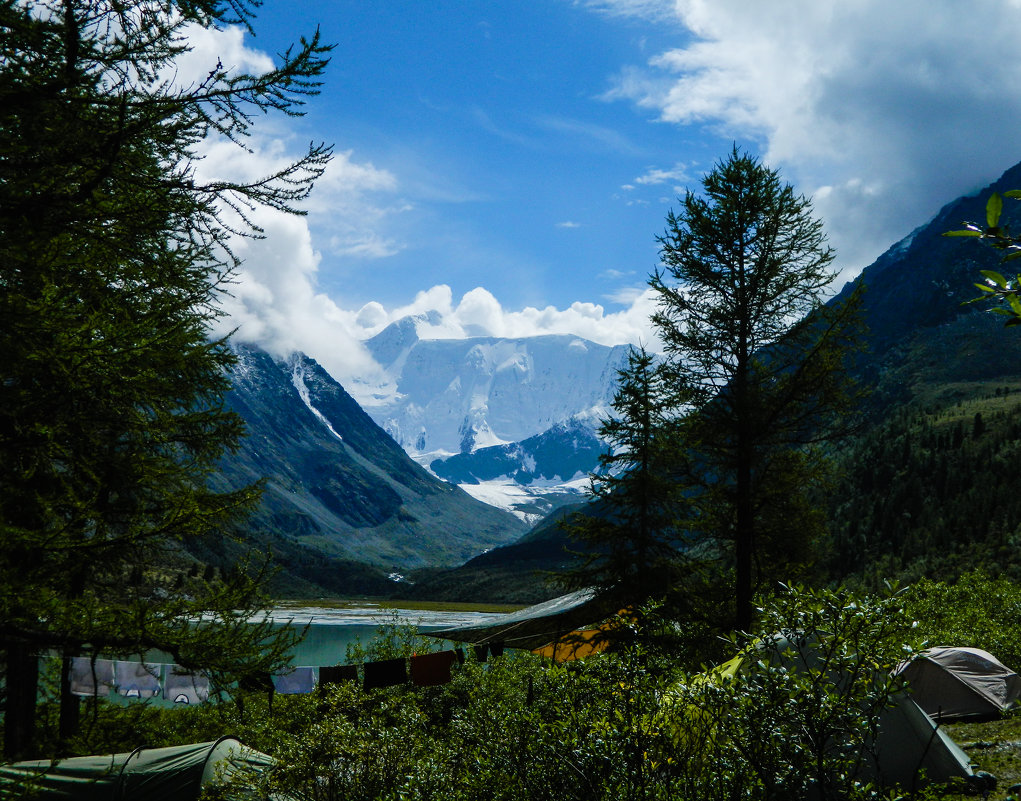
{"x": 925, "y": 279}
{"x": 336, "y": 484}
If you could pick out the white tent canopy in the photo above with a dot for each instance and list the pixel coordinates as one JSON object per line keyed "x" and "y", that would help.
{"x": 952, "y": 683}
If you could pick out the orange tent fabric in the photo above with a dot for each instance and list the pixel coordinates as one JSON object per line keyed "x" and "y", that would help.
{"x": 576, "y": 645}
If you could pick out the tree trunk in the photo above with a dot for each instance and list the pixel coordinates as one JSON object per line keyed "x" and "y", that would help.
{"x": 70, "y": 708}
{"x": 19, "y": 709}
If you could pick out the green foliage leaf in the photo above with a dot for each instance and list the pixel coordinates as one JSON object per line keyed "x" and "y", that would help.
{"x": 995, "y": 277}
{"x": 993, "y": 210}
{"x": 968, "y": 232}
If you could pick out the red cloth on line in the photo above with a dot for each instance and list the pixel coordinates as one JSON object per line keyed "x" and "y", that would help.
{"x": 429, "y": 670}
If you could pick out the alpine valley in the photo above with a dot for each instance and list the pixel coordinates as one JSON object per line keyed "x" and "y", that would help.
{"x": 350, "y": 507}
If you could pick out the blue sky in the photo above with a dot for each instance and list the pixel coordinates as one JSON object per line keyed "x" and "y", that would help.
{"x": 508, "y": 165}
{"x": 510, "y": 162}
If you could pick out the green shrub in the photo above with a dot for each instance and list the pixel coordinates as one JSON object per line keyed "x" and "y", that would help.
{"x": 976, "y": 611}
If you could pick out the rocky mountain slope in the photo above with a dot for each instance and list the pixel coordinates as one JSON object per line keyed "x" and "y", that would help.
{"x": 338, "y": 490}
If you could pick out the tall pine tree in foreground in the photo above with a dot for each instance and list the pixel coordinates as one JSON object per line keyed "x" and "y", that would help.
{"x": 113, "y": 254}
{"x": 763, "y": 361}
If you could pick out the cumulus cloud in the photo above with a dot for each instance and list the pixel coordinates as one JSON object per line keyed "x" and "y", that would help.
{"x": 479, "y": 313}
{"x": 882, "y": 111}
{"x": 678, "y": 174}
{"x": 209, "y": 46}
{"x": 275, "y": 300}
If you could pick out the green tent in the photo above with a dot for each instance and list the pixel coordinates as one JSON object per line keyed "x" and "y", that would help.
{"x": 178, "y": 773}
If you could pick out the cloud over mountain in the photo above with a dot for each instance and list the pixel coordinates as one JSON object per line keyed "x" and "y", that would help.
{"x": 877, "y": 109}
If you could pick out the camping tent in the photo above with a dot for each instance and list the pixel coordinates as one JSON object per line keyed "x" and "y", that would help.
{"x": 954, "y": 683}
{"x": 179, "y": 773}
{"x": 576, "y": 644}
{"x": 535, "y": 626}
{"x": 908, "y": 744}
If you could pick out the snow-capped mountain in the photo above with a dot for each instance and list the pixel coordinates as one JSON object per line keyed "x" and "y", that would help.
{"x": 466, "y": 408}
{"x": 340, "y": 498}
{"x": 460, "y": 395}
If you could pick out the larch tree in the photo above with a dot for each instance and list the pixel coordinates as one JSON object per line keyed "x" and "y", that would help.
{"x": 744, "y": 269}
{"x": 631, "y": 534}
{"x": 113, "y": 257}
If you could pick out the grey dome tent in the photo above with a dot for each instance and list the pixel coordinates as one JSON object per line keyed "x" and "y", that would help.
{"x": 955, "y": 683}
{"x": 178, "y": 773}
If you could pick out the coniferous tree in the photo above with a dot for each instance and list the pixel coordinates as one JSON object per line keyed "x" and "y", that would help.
{"x": 632, "y": 534}
{"x": 113, "y": 254}
{"x": 744, "y": 268}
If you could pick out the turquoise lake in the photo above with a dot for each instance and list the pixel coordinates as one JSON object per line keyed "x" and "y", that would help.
{"x": 332, "y": 630}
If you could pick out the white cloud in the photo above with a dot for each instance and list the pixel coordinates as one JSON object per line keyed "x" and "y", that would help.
{"x": 883, "y": 111}
{"x": 655, "y": 175}
{"x": 653, "y": 10}
{"x": 276, "y": 301}
{"x": 226, "y": 46}
{"x": 479, "y": 313}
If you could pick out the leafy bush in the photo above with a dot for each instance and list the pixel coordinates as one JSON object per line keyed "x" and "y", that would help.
{"x": 796, "y": 714}
{"x": 976, "y": 611}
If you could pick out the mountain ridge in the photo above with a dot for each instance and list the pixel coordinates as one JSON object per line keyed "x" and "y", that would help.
{"x": 926, "y": 346}
{"x": 336, "y": 484}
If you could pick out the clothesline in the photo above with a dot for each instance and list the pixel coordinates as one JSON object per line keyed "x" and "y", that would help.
{"x": 147, "y": 680}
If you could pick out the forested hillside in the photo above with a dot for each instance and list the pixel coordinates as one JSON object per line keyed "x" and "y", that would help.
{"x": 932, "y": 491}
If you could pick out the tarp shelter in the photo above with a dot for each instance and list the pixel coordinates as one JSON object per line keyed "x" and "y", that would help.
{"x": 534, "y": 626}
{"x": 178, "y": 773}
{"x": 955, "y": 683}
{"x": 908, "y": 743}
{"x": 575, "y": 645}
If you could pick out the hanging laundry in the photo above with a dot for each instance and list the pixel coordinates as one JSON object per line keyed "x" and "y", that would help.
{"x": 335, "y": 674}
{"x": 496, "y": 649}
{"x": 137, "y": 679}
{"x": 385, "y": 674}
{"x": 295, "y": 681}
{"x": 91, "y": 677}
{"x": 480, "y": 652}
{"x": 183, "y": 687}
{"x": 259, "y": 681}
{"x": 430, "y": 670}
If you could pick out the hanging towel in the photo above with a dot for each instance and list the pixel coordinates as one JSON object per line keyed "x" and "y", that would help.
{"x": 480, "y": 652}
{"x": 430, "y": 670}
{"x": 386, "y": 673}
{"x": 137, "y": 679}
{"x": 183, "y": 687}
{"x": 496, "y": 649}
{"x": 337, "y": 673}
{"x": 294, "y": 681}
{"x": 90, "y": 677}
